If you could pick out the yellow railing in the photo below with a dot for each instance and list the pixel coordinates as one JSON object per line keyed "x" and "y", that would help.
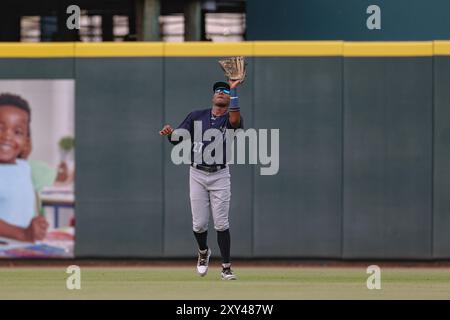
{"x": 209, "y": 49}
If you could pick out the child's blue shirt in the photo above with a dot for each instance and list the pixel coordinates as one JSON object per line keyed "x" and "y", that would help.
{"x": 17, "y": 198}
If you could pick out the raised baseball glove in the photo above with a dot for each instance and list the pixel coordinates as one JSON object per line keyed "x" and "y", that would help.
{"x": 234, "y": 68}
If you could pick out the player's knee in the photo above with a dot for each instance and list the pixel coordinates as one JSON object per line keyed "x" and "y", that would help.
{"x": 222, "y": 226}
{"x": 199, "y": 228}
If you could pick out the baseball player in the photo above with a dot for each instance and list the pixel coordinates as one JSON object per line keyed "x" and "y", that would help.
{"x": 210, "y": 184}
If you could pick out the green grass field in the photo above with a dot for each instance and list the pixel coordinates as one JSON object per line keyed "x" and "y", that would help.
{"x": 256, "y": 283}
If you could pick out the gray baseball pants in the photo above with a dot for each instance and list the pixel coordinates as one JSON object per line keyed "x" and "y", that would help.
{"x": 210, "y": 194}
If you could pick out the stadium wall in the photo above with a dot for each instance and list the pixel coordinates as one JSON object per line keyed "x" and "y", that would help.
{"x": 400, "y": 20}
{"x": 364, "y": 135}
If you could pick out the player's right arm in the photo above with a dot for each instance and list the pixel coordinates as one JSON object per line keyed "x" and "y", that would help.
{"x": 167, "y": 130}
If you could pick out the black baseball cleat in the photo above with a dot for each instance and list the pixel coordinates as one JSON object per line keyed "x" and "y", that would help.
{"x": 202, "y": 263}
{"x": 227, "y": 274}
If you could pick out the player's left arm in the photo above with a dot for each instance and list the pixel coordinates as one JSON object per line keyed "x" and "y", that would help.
{"x": 234, "y": 114}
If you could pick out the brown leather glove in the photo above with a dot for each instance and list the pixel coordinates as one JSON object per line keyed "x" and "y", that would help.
{"x": 234, "y": 68}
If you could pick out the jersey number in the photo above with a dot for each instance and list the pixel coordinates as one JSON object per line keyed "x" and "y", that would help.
{"x": 198, "y": 146}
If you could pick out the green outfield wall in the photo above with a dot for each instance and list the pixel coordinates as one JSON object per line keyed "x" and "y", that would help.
{"x": 364, "y": 146}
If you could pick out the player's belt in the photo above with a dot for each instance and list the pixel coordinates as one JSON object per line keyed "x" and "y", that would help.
{"x": 210, "y": 168}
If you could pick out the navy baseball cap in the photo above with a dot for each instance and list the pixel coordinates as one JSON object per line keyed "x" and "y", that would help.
{"x": 221, "y": 85}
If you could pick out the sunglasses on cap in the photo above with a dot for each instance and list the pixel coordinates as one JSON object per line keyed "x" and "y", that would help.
{"x": 226, "y": 91}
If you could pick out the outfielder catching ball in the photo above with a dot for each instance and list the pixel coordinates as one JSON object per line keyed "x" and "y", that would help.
{"x": 210, "y": 183}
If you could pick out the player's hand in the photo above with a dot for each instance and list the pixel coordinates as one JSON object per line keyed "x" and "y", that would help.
{"x": 166, "y": 130}
{"x": 37, "y": 229}
{"x": 234, "y": 83}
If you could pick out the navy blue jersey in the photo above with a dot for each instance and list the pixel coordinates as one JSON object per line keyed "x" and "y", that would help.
{"x": 208, "y": 122}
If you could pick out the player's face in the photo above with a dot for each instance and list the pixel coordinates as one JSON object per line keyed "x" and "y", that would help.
{"x": 221, "y": 99}
{"x": 14, "y": 134}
